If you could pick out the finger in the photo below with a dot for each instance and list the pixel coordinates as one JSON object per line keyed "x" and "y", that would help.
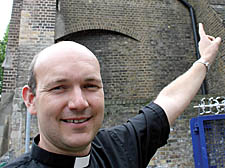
{"x": 201, "y": 30}
{"x": 218, "y": 40}
{"x": 211, "y": 38}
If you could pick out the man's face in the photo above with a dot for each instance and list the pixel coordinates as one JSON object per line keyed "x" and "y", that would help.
{"x": 69, "y": 100}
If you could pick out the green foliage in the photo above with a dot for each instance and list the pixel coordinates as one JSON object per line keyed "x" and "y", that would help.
{"x": 3, "y": 45}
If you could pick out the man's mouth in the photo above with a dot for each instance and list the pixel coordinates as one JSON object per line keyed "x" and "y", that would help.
{"x": 76, "y": 121}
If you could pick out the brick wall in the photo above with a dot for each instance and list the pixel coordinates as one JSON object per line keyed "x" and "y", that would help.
{"x": 35, "y": 22}
{"x": 142, "y": 58}
{"x": 141, "y": 46}
{"x": 10, "y": 64}
{"x": 10, "y": 72}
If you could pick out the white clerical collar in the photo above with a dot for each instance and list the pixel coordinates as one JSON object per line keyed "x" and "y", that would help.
{"x": 81, "y": 162}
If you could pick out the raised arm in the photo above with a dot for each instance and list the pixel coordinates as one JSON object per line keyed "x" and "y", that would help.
{"x": 175, "y": 97}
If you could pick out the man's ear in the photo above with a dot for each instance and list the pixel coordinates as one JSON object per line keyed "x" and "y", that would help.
{"x": 29, "y": 99}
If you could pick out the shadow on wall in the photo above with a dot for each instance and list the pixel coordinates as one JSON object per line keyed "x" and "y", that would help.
{"x": 5, "y": 112}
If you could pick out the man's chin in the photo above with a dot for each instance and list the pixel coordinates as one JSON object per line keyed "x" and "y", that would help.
{"x": 78, "y": 141}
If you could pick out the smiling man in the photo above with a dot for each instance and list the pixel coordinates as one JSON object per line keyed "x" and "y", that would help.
{"x": 69, "y": 98}
{"x": 65, "y": 91}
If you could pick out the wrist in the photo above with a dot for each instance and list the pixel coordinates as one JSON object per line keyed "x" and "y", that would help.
{"x": 203, "y": 62}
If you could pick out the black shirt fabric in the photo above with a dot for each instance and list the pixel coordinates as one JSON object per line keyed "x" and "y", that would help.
{"x": 130, "y": 145}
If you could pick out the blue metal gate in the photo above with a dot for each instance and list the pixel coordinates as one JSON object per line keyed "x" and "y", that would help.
{"x": 208, "y": 140}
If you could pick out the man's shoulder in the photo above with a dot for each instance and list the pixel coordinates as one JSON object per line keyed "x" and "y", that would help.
{"x": 22, "y": 161}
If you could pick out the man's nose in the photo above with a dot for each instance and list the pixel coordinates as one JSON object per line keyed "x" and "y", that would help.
{"x": 78, "y": 100}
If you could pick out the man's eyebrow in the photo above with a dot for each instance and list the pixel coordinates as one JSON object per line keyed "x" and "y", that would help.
{"x": 56, "y": 81}
{"x": 93, "y": 79}
{"x": 88, "y": 79}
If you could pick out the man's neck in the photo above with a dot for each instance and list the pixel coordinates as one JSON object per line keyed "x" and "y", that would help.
{"x": 81, "y": 152}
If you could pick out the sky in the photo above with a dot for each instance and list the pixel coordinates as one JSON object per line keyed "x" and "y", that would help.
{"x": 5, "y": 15}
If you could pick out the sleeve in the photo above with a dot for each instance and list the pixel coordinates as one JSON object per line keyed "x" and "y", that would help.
{"x": 143, "y": 134}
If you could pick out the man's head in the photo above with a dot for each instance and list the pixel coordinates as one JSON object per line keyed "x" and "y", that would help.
{"x": 66, "y": 94}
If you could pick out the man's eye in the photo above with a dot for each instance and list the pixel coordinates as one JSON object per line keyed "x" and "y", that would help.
{"x": 57, "y": 88}
{"x": 91, "y": 86}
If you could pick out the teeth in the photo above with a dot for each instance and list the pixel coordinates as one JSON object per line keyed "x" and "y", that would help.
{"x": 75, "y": 121}
{"x": 69, "y": 121}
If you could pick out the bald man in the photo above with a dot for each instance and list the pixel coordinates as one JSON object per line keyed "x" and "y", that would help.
{"x": 65, "y": 91}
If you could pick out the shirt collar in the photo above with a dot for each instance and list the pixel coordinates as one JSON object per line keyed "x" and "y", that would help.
{"x": 57, "y": 160}
{"x": 82, "y": 161}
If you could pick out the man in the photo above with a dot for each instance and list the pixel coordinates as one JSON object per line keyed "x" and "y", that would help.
{"x": 65, "y": 91}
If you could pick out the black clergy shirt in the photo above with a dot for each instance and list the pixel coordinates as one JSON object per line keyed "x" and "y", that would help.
{"x": 130, "y": 145}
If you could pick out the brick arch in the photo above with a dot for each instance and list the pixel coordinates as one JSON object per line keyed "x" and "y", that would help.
{"x": 103, "y": 26}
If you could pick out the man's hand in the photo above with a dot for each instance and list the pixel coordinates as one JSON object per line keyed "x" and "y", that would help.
{"x": 208, "y": 45}
{"x": 175, "y": 97}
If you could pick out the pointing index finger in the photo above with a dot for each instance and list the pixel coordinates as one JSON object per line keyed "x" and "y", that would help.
{"x": 201, "y": 30}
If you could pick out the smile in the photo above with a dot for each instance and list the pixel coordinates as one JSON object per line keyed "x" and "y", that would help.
{"x": 76, "y": 121}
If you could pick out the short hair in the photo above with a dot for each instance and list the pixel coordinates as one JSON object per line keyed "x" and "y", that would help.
{"x": 32, "y": 82}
